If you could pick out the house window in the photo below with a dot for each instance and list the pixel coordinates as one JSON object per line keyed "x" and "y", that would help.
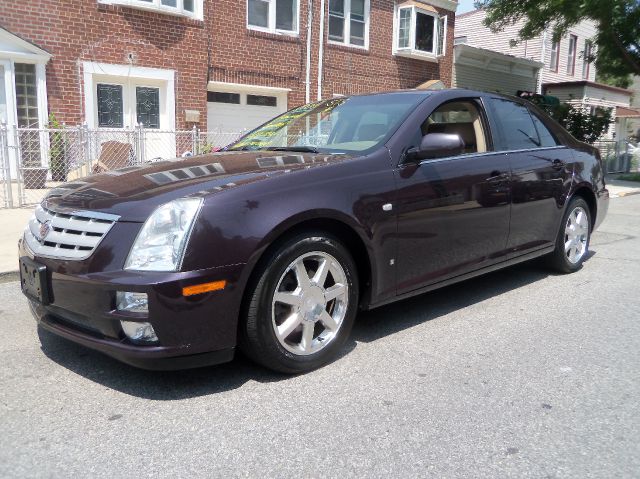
{"x": 586, "y": 59}
{"x": 110, "y": 107}
{"x": 419, "y": 33}
{"x": 262, "y": 100}
{"x": 349, "y": 22}
{"x": 27, "y": 108}
{"x": 223, "y": 97}
{"x": 148, "y": 106}
{"x": 185, "y": 8}
{"x": 26, "y": 95}
{"x": 275, "y": 16}
{"x": 555, "y": 56}
{"x": 571, "y": 56}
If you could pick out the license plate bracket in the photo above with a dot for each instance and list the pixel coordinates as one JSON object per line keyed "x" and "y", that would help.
{"x": 33, "y": 280}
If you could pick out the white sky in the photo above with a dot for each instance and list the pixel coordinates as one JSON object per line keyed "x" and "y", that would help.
{"x": 464, "y": 6}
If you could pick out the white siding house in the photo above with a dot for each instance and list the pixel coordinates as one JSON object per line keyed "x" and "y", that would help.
{"x": 565, "y": 70}
{"x": 540, "y": 49}
{"x": 482, "y": 69}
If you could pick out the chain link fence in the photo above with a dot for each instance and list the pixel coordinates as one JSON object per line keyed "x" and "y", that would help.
{"x": 34, "y": 160}
{"x": 618, "y": 156}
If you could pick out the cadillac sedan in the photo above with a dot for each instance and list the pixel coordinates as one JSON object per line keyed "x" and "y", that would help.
{"x": 273, "y": 244}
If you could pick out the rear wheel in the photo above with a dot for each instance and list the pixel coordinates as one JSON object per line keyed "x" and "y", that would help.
{"x": 572, "y": 243}
{"x": 302, "y": 306}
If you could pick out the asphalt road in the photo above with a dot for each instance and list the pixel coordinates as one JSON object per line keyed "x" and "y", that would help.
{"x": 516, "y": 374}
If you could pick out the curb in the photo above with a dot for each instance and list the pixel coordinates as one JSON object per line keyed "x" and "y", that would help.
{"x": 9, "y": 276}
{"x": 628, "y": 193}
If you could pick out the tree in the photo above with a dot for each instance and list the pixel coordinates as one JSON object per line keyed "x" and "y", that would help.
{"x": 624, "y": 81}
{"x": 578, "y": 121}
{"x": 617, "y": 22}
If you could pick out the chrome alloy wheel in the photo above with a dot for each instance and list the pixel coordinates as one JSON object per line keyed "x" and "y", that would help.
{"x": 310, "y": 303}
{"x": 576, "y": 234}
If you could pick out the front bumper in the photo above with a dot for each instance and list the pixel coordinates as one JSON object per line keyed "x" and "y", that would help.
{"x": 192, "y": 331}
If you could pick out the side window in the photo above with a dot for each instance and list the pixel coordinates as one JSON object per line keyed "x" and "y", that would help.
{"x": 461, "y": 118}
{"x": 546, "y": 138}
{"x": 515, "y": 125}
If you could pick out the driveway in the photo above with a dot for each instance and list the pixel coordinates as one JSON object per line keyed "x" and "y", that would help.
{"x": 517, "y": 374}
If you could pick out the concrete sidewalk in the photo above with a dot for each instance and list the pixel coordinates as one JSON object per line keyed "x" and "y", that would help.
{"x": 622, "y": 188}
{"x": 13, "y": 222}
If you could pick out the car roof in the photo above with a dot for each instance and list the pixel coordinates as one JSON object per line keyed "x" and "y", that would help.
{"x": 461, "y": 92}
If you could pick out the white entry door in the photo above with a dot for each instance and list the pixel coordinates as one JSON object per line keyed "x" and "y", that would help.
{"x": 121, "y": 97}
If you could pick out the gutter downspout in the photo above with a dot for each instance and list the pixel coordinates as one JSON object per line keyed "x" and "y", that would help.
{"x": 321, "y": 49}
{"x": 541, "y": 71}
{"x": 307, "y": 81}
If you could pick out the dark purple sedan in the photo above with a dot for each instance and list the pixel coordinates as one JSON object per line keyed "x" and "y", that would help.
{"x": 273, "y": 244}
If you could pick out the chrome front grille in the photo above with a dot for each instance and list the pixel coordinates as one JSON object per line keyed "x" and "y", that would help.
{"x": 66, "y": 235}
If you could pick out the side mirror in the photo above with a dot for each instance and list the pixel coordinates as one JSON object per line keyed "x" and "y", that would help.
{"x": 437, "y": 145}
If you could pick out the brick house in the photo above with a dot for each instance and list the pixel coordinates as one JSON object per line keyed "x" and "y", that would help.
{"x": 267, "y": 55}
{"x": 214, "y": 64}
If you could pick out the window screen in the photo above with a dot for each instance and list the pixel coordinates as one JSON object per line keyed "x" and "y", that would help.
{"x": 258, "y": 14}
{"x": 336, "y": 20}
{"x": 515, "y": 125}
{"x": 286, "y": 15}
{"x": 424, "y": 32}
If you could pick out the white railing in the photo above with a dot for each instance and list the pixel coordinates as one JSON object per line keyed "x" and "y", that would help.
{"x": 34, "y": 160}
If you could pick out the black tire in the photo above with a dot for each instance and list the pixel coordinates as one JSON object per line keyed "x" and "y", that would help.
{"x": 257, "y": 338}
{"x": 559, "y": 259}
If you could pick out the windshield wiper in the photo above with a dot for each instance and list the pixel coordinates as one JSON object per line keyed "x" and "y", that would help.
{"x": 301, "y": 149}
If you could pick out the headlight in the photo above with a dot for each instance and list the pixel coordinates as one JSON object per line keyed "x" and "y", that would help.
{"x": 161, "y": 242}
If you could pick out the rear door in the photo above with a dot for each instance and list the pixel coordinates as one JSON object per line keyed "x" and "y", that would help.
{"x": 541, "y": 172}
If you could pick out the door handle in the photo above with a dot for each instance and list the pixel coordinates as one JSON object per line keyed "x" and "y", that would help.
{"x": 558, "y": 164}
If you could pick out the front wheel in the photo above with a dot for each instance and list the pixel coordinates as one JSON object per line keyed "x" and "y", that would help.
{"x": 303, "y": 305}
{"x": 572, "y": 243}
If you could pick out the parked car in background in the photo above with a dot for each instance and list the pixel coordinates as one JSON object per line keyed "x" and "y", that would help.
{"x": 273, "y": 244}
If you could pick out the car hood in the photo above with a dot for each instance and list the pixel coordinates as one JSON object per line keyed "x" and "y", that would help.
{"x": 135, "y": 191}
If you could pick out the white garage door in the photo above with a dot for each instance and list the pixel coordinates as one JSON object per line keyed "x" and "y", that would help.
{"x": 233, "y": 112}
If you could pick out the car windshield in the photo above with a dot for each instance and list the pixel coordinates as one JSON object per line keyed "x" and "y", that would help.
{"x": 347, "y": 124}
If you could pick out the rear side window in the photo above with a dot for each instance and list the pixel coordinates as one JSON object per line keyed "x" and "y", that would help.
{"x": 515, "y": 126}
{"x": 546, "y": 138}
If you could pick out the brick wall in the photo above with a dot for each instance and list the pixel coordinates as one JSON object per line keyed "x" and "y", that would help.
{"x": 245, "y": 56}
{"x": 83, "y": 30}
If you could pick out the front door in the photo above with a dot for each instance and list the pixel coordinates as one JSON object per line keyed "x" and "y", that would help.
{"x": 121, "y": 105}
{"x": 453, "y": 213}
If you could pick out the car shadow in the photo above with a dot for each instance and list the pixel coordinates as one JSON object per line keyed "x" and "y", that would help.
{"x": 370, "y": 326}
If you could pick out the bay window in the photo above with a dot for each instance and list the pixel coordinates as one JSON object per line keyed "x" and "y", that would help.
{"x": 274, "y": 16}
{"x": 349, "y": 22}
{"x": 419, "y": 33}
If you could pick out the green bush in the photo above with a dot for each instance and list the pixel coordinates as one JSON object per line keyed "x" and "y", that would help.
{"x": 578, "y": 121}
{"x": 58, "y": 148}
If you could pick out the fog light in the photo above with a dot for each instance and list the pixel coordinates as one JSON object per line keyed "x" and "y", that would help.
{"x": 139, "y": 332}
{"x": 132, "y": 302}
